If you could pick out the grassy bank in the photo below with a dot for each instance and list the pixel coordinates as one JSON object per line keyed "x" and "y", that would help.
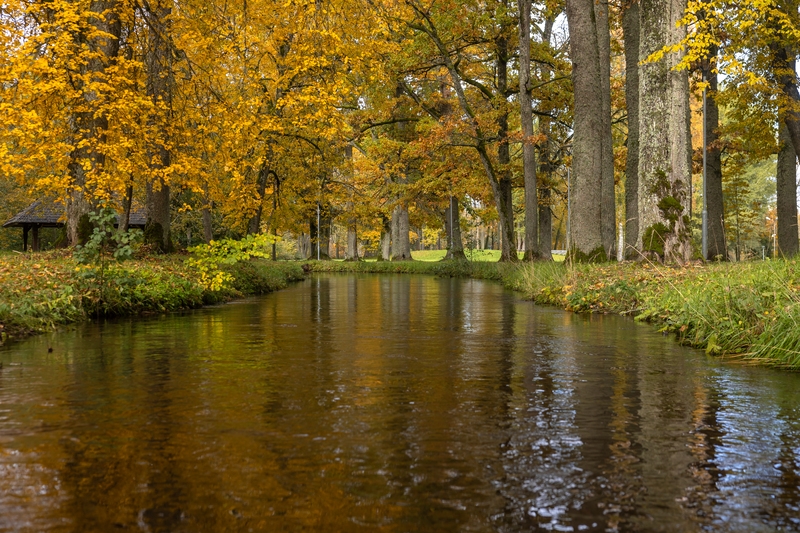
{"x": 747, "y": 310}
{"x": 41, "y": 291}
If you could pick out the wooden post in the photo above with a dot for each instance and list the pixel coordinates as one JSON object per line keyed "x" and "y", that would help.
{"x": 25, "y": 229}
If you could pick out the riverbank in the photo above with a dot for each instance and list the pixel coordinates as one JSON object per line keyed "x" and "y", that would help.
{"x": 41, "y": 291}
{"x": 749, "y": 311}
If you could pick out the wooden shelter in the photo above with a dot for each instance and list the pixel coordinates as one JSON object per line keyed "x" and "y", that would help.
{"x": 49, "y": 213}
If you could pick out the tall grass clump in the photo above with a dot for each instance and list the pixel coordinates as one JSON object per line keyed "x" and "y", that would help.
{"x": 748, "y": 310}
{"x": 41, "y": 291}
{"x": 741, "y": 309}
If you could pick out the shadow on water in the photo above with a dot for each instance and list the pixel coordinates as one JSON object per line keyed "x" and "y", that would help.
{"x": 390, "y": 403}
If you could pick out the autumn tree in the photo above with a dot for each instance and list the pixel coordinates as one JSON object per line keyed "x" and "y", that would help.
{"x": 587, "y": 151}
{"x": 664, "y": 174}
{"x": 528, "y": 150}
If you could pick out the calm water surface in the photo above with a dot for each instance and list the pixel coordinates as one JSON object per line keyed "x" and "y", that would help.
{"x": 390, "y": 403}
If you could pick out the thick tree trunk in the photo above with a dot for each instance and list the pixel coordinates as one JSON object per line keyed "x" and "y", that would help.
{"x": 304, "y": 246}
{"x": 351, "y": 254}
{"x": 717, "y": 247}
{"x": 608, "y": 217}
{"x": 785, "y": 71}
{"x": 545, "y": 176}
{"x": 313, "y": 237}
{"x": 585, "y": 227}
{"x": 545, "y": 225}
{"x": 90, "y": 124}
{"x": 452, "y": 229}
{"x": 630, "y": 30}
{"x": 528, "y": 149}
{"x": 505, "y": 201}
{"x": 653, "y": 121}
{"x": 386, "y": 239}
{"x": 401, "y": 244}
{"x": 678, "y": 246}
{"x": 787, "y": 196}
{"x": 664, "y": 175}
{"x": 786, "y": 76}
{"x": 159, "y": 88}
{"x": 325, "y": 235}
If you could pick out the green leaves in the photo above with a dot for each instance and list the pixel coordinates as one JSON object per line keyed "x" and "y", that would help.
{"x": 208, "y": 257}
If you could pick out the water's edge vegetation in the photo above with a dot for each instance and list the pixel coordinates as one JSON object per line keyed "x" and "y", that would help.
{"x": 43, "y": 291}
{"x": 746, "y": 311}
{"x": 749, "y": 310}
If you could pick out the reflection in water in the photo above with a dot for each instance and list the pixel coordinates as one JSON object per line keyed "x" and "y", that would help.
{"x": 391, "y": 403}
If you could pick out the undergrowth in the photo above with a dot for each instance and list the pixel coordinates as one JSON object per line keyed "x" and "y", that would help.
{"x": 41, "y": 291}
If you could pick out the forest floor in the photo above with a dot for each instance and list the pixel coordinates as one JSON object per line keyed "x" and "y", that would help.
{"x": 748, "y": 311}
{"x": 744, "y": 311}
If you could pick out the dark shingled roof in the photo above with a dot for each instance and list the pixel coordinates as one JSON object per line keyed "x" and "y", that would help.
{"x": 47, "y": 212}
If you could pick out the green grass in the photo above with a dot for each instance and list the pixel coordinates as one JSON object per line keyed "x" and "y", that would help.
{"x": 748, "y": 311}
{"x": 41, "y": 291}
{"x": 428, "y": 255}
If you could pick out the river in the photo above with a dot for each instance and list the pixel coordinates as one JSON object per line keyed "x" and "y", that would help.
{"x": 390, "y": 403}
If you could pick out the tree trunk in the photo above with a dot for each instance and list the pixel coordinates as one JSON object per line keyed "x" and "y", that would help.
{"x": 313, "y": 237}
{"x": 351, "y": 254}
{"x": 528, "y": 149}
{"x": 304, "y": 246}
{"x": 545, "y": 177}
{"x": 325, "y": 234}
{"x": 785, "y": 73}
{"x": 386, "y": 239}
{"x": 630, "y": 30}
{"x": 608, "y": 217}
{"x": 717, "y": 247}
{"x": 452, "y": 228}
{"x": 505, "y": 203}
{"x": 401, "y": 244}
{"x": 91, "y": 124}
{"x": 678, "y": 246}
{"x": 159, "y": 88}
{"x": 663, "y": 160}
{"x": 787, "y": 196}
{"x": 585, "y": 227}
